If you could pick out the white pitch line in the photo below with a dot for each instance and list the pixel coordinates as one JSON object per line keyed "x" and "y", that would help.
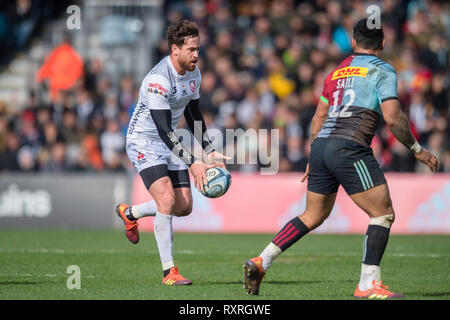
{"x": 46, "y": 275}
{"x": 329, "y": 254}
{"x": 64, "y": 251}
{"x": 233, "y": 252}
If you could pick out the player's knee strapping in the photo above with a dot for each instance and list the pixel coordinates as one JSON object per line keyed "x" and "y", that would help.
{"x": 385, "y": 221}
{"x": 376, "y": 239}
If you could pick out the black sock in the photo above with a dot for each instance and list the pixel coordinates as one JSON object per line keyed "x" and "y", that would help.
{"x": 290, "y": 233}
{"x": 129, "y": 214}
{"x": 166, "y": 272}
{"x": 375, "y": 243}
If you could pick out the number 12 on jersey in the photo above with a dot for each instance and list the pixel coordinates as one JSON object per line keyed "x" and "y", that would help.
{"x": 343, "y": 112}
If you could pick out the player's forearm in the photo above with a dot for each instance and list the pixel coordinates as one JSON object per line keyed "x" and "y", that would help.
{"x": 195, "y": 120}
{"x": 162, "y": 119}
{"x": 399, "y": 127}
{"x": 318, "y": 119}
{"x": 316, "y": 125}
{"x": 398, "y": 123}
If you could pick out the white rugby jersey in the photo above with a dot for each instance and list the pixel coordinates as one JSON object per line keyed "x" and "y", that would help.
{"x": 163, "y": 88}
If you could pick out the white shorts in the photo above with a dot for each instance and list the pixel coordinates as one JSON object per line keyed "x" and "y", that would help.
{"x": 147, "y": 152}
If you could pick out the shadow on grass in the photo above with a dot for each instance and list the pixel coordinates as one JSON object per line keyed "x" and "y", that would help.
{"x": 6, "y": 283}
{"x": 305, "y": 281}
{"x": 275, "y": 282}
{"x": 208, "y": 283}
{"x": 429, "y": 294}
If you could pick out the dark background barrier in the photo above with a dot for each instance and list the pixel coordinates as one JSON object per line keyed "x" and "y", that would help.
{"x": 61, "y": 200}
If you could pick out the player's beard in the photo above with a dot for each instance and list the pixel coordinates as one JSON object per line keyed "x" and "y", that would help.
{"x": 187, "y": 65}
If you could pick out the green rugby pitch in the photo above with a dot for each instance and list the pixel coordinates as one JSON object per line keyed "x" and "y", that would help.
{"x": 319, "y": 267}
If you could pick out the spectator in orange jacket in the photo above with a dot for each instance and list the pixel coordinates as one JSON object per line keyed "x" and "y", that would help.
{"x": 63, "y": 67}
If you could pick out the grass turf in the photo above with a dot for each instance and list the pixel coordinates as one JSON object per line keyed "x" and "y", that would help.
{"x": 318, "y": 267}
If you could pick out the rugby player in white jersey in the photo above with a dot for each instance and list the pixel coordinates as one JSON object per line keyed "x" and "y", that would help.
{"x": 169, "y": 90}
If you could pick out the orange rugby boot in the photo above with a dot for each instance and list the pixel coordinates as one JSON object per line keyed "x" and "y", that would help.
{"x": 253, "y": 275}
{"x": 131, "y": 227}
{"x": 378, "y": 291}
{"x": 175, "y": 279}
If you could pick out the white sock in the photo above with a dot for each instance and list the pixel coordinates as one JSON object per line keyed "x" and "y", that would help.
{"x": 269, "y": 254}
{"x": 144, "y": 209}
{"x": 164, "y": 239}
{"x": 368, "y": 274}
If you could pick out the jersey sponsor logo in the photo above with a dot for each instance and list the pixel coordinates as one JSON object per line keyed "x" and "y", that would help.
{"x": 349, "y": 72}
{"x": 192, "y": 85}
{"x": 158, "y": 87}
{"x": 150, "y": 90}
{"x": 135, "y": 118}
{"x": 141, "y": 159}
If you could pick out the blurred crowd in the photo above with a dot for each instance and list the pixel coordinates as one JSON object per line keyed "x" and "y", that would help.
{"x": 20, "y": 20}
{"x": 263, "y": 65}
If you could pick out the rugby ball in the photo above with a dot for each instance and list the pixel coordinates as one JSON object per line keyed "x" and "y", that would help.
{"x": 219, "y": 181}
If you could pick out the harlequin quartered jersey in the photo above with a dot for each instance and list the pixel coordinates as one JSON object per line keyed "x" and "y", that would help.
{"x": 354, "y": 92}
{"x": 163, "y": 88}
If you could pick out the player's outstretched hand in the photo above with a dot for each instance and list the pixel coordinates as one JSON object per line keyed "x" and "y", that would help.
{"x": 305, "y": 175}
{"x": 428, "y": 158}
{"x": 218, "y": 159}
{"x": 198, "y": 171}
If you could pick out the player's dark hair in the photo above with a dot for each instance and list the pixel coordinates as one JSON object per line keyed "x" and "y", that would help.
{"x": 368, "y": 38}
{"x": 177, "y": 33}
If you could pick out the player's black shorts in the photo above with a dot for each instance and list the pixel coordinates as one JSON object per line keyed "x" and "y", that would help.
{"x": 334, "y": 161}
{"x": 179, "y": 178}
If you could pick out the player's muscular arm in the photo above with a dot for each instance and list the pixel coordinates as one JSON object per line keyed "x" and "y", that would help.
{"x": 398, "y": 124}
{"x": 318, "y": 119}
{"x": 316, "y": 124}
